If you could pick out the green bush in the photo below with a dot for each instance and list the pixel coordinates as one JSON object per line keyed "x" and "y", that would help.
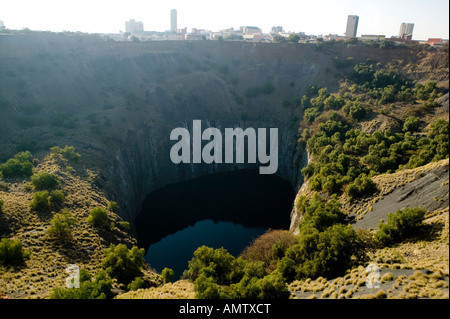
{"x": 217, "y": 274}
{"x": 411, "y": 124}
{"x": 328, "y": 253}
{"x": 311, "y": 114}
{"x": 319, "y": 214}
{"x": 354, "y": 110}
{"x": 12, "y": 252}
{"x": 219, "y": 259}
{"x": 56, "y": 197}
{"x": 124, "y": 225}
{"x": 19, "y": 166}
{"x": 362, "y": 186}
{"x": 40, "y": 201}
{"x": 402, "y": 225}
{"x": 113, "y": 206}
{"x": 1, "y": 205}
{"x": 326, "y": 245}
{"x": 424, "y": 92}
{"x": 44, "y": 180}
{"x": 98, "y": 217}
{"x": 68, "y": 152}
{"x": 252, "y": 92}
{"x": 267, "y": 88}
{"x": 99, "y": 288}
{"x": 123, "y": 263}
{"x": 207, "y": 288}
{"x": 136, "y": 284}
{"x": 167, "y": 275}
{"x": 61, "y": 226}
{"x": 271, "y": 286}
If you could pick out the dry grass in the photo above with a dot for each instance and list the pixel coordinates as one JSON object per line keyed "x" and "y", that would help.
{"x": 387, "y": 183}
{"x": 45, "y": 268}
{"x": 182, "y": 289}
{"x": 409, "y": 270}
{"x": 261, "y": 248}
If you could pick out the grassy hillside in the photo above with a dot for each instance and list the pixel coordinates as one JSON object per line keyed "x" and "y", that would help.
{"x": 49, "y": 255}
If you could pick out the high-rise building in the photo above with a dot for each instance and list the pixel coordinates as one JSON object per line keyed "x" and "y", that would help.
{"x": 277, "y": 29}
{"x": 406, "y": 30}
{"x": 173, "y": 20}
{"x": 352, "y": 26}
{"x": 134, "y": 26}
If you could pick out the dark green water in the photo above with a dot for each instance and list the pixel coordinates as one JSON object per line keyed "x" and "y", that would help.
{"x": 222, "y": 210}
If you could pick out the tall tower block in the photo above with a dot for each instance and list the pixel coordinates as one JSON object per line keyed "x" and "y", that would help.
{"x": 352, "y": 26}
{"x": 173, "y": 20}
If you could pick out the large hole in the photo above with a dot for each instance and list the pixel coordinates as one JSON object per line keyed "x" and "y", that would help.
{"x": 221, "y": 210}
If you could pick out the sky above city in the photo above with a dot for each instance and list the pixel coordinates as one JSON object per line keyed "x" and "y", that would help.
{"x": 314, "y": 17}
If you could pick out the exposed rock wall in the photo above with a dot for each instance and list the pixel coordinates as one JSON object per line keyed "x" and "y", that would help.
{"x": 117, "y": 102}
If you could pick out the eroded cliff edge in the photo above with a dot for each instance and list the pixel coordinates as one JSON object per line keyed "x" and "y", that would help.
{"x": 117, "y": 102}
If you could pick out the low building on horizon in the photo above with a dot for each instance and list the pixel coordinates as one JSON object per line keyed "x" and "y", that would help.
{"x": 373, "y": 37}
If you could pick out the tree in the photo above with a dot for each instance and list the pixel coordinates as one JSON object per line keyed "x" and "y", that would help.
{"x": 294, "y": 38}
{"x": 219, "y": 260}
{"x": 411, "y": 124}
{"x": 123, "y": 263}
{"x": 319, "y": 214}
{"x": 361, "y": 187}
{"x": 113, "y": 206}
{"x": 19, "y": 166}
{"x": 68, "y": 152}
{"x": 267, "y": 88}
{"x": 329, "y": 253}
{"x": 167, "y": 275}
{"x": 12, "y": 252}
{"x": 98, "y": 288}
{"x": 98, "y": 217}
{"x": 136, "y": 284}
{"x": 61, "y": 226}
{"x": 40, "y": 201}
{"x": 278, "y": 38}
{"x": 402, "y": 225}
{"x": 44, "y": 180}
{"x": 56, "y": 197}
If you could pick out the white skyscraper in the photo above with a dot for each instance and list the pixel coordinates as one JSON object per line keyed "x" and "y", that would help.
{"x": 406, "y": 30}
{"x": 173, "y": 20}
{"x": 134, "y": 26}
{"x": 352, "y": 26}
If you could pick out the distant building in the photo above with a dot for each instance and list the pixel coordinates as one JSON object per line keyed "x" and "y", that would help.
{"x": 406, "y": 31}
{"x": 173, "y": 21}
{"x": 250, "y": 30}
{"x": 2, "y": 25}
{"x": 352, "y": 26}
{"x": 435, "y": 42}
{"x": 182, "y": 31}
{"x": 276, "y": 30}
{"x": 134, "y": 27}
{"x": 262, "y": 38}
{"x": 373, "y": 37}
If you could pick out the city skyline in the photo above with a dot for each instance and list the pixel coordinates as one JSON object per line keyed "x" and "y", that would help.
{"x": 322, "y": 17}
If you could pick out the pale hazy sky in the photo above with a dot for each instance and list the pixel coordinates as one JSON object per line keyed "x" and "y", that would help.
{"x": 431, "y": 17}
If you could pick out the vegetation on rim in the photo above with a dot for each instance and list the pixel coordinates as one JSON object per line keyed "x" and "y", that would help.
{"x": 374, "y": 122}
